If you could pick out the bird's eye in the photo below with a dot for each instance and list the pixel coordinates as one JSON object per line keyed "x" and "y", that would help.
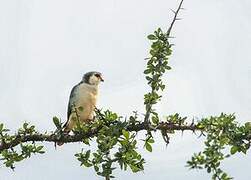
{"x": 97, "y": 75}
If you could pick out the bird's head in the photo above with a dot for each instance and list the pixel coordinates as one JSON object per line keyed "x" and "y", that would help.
{"x": 92, "y": 78}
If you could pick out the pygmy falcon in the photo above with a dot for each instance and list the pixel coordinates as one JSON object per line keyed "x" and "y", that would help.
{"x": 82, "y": 101}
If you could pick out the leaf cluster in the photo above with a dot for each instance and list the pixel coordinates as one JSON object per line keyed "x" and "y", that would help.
{"x": 11, "y": 155}
{"x": 222, "y": 132}
{"x": 114, "y": 145}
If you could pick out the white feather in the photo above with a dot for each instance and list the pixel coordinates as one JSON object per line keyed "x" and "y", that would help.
{"x": 85, "y": 103}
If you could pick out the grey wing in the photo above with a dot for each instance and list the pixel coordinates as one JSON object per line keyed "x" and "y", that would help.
{"x": 71, "y": 102}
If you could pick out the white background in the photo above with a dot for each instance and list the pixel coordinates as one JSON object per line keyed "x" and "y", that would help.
{"x": 46, "y": 46}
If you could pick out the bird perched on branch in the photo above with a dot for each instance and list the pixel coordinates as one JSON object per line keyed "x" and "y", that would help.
{"x": 82, "y": 101}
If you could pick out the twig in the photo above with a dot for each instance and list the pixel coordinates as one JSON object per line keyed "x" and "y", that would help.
{"x": 149, "y": 106}
{"x": 175, "y": 17}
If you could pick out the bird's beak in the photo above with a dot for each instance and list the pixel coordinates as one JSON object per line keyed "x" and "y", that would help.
{"x": 101, "y": 79}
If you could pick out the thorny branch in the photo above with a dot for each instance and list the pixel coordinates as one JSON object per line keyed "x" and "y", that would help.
{"x": 149, "y": 106}
{"x": 175, "y": 17}
{"x": 67, "y": 138}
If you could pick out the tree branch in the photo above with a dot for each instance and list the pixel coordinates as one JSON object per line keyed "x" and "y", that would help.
{"x": 175, "y": 17}
{"x": 153, "y": 90}
{"x": 66, "y": 138}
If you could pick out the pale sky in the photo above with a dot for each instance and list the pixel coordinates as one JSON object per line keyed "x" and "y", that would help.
{"x": 46, "y": 46}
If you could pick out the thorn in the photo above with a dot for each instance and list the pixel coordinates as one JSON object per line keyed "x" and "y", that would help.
{"x": 177, "y": 19}
{"x": 194, "y": 132}
{"x": 12, "y": 168}
{"x": 192, "y": 122}
{"x": 173, "y": 11}
{"x": 200, "y": 135}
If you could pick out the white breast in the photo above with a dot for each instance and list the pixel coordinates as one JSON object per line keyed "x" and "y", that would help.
{"x": 87, "y": 98}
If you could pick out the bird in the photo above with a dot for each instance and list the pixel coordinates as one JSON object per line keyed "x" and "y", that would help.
{"x": 82, "y": 101}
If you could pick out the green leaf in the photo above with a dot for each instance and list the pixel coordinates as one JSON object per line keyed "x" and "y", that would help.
{"x": 25, "y": 125}
{"x": 87, "y": 164}
{"x": 155, "y": 120}
{"x": 147, "y": 71}
{"x": 134, "y": 168}
{"x": 150, "y": 141}
{"x": 96, "y": 168}
{"x": 41, "y": 152}
{"x": 168, "y": 67}
{"x": 248, "y": 125}
{"x": 87, "y": 155}
{"x": 1, "y": 127}
{"x": 234, "y": 149}
{"x": 148, "y": 147}
{"x": 86, "y": 141}
{"x": 243, "y": 149}
{"x": 56, "y": 122}
{"x": 125, "y": 134}
{"x": 39, "y": 148}
{"x": 151, "y": 37}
